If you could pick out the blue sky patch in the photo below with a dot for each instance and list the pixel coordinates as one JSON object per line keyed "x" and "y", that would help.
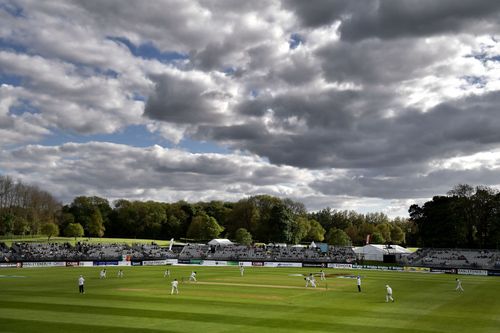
{"x": 8, "y": 45}
{"x": 11, "y": 80}
{"x": 149, "y": 51}
{"x": 12, "y": 9}
{"x": 202, "y": 147}
{"x": 478, "y": 81}
{"x": 295, "y": 41}
{"x": 134, "y": 135}
{"x": 23, "y": 106}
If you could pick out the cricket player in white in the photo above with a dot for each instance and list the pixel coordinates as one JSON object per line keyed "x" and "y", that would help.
{"x": 120, "y": 273}
{"x": 312, "y": 280}
{"x": 102, "y": 274}
{"x": 459, "y": 285}
{"x": 175, "y": 287}
{"x": 167, "y": 273}
{"x": 389, "y": 294}
{"x": 81, "y": 282}
{"x": 322, "y": 275}
{"x": 358, "y": 282}
{"x": 242, "y": 270}
{"x": 192, "y": 277}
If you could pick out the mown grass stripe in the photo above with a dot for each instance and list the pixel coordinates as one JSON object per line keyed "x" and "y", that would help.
{"x": 424, "y": 302}
{"x": 200, "y": 323}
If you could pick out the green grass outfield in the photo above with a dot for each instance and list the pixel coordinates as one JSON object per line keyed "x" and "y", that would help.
{"x": 264, "y": 300}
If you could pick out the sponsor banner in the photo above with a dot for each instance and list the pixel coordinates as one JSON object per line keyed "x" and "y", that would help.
{"x": 86, "y": 263}
{"x": 184, "y": 262}
{"x": 494, "y": 273}
{"x": 124, "y": 263}
{"x": 44, "y": 264}
{"x": 195, "y": 262}
{"x": 312, "y": 264}
{"x": 154, "y": 262}
{"x": 233, "y": 263}
{"x": 289, "y": 264}
{"x": 340, "y": 266}
{"x": 270, "y": 264}
{"x": 215, "y": 263}
{"x": 172, "y": 261}
{"x": 282, "y": 264}
{"x": 245, "y": 263}
{"x": 72, "y": 263}
{"x": 106, "y": 263}
{"x": 380, "y": 268}
{"x": 258, "y": 263}
{"x": 11, "y": 264}
{"x": 417, "y": 269}
{"x": 444, "y": 270}
{"x": 136, "y": 263}
{"x": 472, "y": 271}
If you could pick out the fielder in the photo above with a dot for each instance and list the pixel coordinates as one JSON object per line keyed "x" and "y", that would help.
{"x": 310, "y": 280}
{"x": 459, "y": 285}
{"x": 175, "y": 287}
{"x": 242, "y": 270}
{"x": 192, "y": 277}
{"x": 167, "y": 273}
{"x": 358, "y": 282}
{"x": 388, "y": 296}
{"x": 102, "y": 274}
{"x": 81, "y": 282}
{"x": 322, "y": 275}
{"x": 120, "y": 273}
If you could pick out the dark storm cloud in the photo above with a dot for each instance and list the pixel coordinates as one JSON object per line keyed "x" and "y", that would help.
{"x": 379, "y": 62}
{"x": 247, "y": 132}
{"x": 387, "y": 19}
{"x": 321, "y": 12}
{"x": 182, "y": 100}
{"x": 348, "y": 135}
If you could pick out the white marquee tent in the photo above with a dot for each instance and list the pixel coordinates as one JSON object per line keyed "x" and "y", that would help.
{"x": 220, "y": 242}
{"x": 376, "y": 251}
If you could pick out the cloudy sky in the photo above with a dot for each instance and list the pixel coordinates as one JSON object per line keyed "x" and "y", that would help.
{"x": 366, "y": 105}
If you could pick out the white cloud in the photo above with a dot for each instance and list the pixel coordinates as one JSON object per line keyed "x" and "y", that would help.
{"x": 368, "y": 111}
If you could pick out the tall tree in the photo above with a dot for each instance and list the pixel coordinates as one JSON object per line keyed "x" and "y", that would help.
{"x": 204, "y": 227}
{"x": 316, "y": 231}
{"x": 96, "y": 225}
{"x": 74, "y": 230}
{"x": 50, "y": 230}
{"x": 337, "y": 237}
{"x": 242, "y": 236}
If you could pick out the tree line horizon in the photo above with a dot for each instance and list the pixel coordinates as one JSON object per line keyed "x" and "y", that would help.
{"x": 467, "y": 217}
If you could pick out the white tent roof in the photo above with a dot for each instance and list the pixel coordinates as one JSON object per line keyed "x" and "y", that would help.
{"x": 381, "y": 249}
{"x": 220, "y": 241}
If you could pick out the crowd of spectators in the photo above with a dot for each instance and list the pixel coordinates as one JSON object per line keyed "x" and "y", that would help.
{"x": 425, "y": 257}
{"x": 83, "y": 251}
{"x": 268, "y": 253}
{"x": 456, "y": 258}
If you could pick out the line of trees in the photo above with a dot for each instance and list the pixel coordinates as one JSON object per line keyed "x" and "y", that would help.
{"x": 467, "y": 217}
{"x": 26, "y": 209}
{"x": 261, "y": 218}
